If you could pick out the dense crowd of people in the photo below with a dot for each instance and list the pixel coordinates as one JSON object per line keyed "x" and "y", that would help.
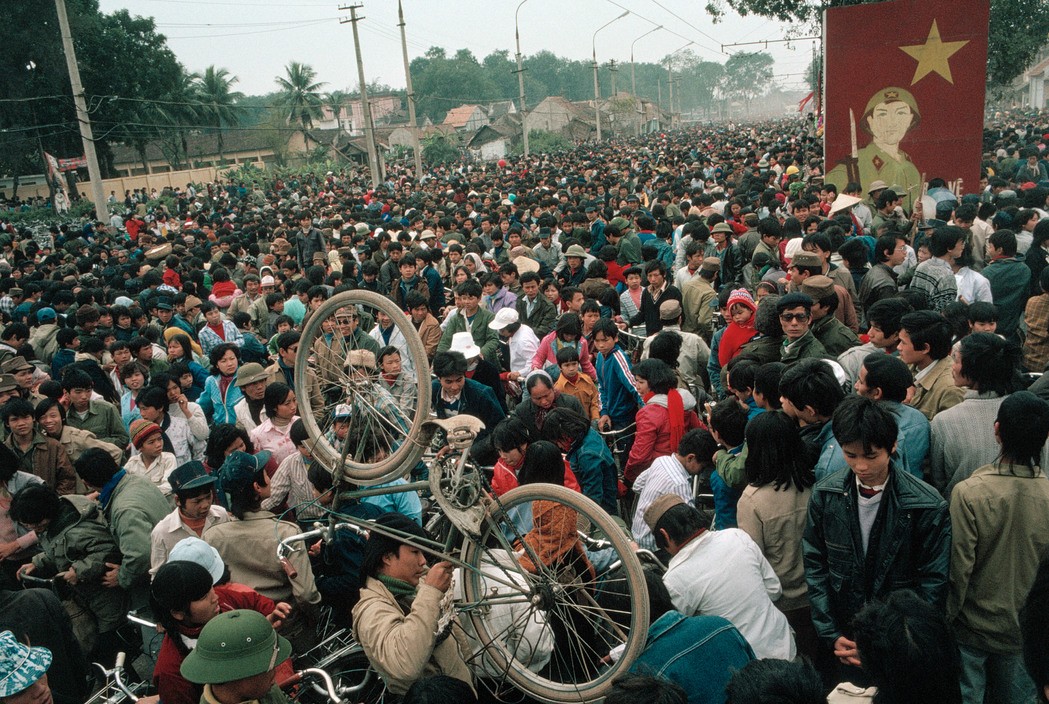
{"x": 857, "y": 386}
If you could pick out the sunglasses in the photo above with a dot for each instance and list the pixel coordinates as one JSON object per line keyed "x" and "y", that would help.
{"x": 788, "y": 317}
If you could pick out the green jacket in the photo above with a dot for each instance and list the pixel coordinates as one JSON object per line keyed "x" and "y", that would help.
{"x": 834, "y": 335}
{"x": 134, "y": 508}
{"x": 103, "y": 419}
{"x": 805, "y": 346}
{"x": 484, "y": 337}
{"x": 1010, "y": 279}
{"x": 78, "y": 538}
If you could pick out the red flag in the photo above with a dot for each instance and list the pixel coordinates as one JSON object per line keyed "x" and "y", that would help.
{"x": 904, "y": 93}
{"x": 804, "y": 102}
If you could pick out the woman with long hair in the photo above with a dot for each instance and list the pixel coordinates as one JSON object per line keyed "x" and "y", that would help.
{"x": 182, "y": 348}
{"x": 221, "y": 394}
{"x": 773, "y": 508}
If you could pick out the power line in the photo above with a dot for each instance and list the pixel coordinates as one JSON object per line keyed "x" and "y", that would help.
{"x": 261, "y": 31}
{"x": 671, "y": 31}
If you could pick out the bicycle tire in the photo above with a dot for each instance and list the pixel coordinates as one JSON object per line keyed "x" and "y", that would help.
{"x": 578, "y": 602}
{"x": 320, "y": 361}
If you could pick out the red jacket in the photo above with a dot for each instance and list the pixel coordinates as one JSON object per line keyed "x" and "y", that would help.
{"x": 171, "y": 686}
{"x": 652, "y": 438}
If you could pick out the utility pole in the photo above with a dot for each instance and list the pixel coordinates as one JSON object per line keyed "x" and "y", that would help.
{"x": 411, "y": 96}
{"x": 83, "y": 119}
{"x": 520, "y": 83}
{"x": 597, "y": 90}
{"x": 366, "y": 108}
{"x": 670, "y": 84}
{"x": 614, "y": 70}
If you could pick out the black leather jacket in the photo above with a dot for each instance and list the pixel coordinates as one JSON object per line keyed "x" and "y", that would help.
{"x": 909, "y": 548}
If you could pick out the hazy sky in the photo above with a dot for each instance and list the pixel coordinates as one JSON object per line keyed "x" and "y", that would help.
{"x": 255, "y": 39}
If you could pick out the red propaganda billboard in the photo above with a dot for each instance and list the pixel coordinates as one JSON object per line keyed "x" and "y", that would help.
{"x": 904, "y": 93}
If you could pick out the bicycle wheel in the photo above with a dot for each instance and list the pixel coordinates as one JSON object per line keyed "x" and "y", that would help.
{"x": 384, "y": 429}
{"x": 519, "y": 597}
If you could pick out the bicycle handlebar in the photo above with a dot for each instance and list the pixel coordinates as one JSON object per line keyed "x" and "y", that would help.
{"x": 324, "y": 677}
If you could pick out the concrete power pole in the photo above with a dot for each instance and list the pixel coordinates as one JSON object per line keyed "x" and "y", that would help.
{"x": 366, "y": 108}
{"x": 520, "y": 83}
{"x": 411, "y": 96}
{"x": 613, "y": 69}
{"x": 83, "y": 119}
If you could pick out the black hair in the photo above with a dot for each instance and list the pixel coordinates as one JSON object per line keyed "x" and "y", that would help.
{"x": 219, "y": 351}
{"x": 470, "y": 287}
{"x": 34, "y": 503}
{"x": 887, "y": 313}
{"x": 811, "y": 382}
{"x": 449, "y": 363}
{"x": 1004, "y": 240}
{"x": 543, "y": 463}
{"x": 741, "y": 373}
{"x": 275, "y": 395}
{"x": 860, "y": 419}
{"x": 96, "y": 467}
{"x": 908, "y": 650}
{"x": 380, "y": 545}
{"x": 983, "y": 312}
{"x": 729, "y": 420}
{"x": 298, "y": 433}
{"x": 698, "y": 442}
{"x": 16, "y": 408}
{"x": 666, "y": 347}
{"x": 659, "y": 375}
{"x": 927, "y": 328}
{"x": 535, "y": 379}
{"x": 414, "y": 299}
{"x": 564, "y": 423}
{"x": 886, "y": 243}
{"x": 1023, "y": 426}
{"x": 605, "y": 327}
{"x": 776, "y": 454}
{"x": 184, "y": 342}
{"x": 567, "y": 354}
{"x": 645, "y": 689}
{"x": 153, "y": 397}
{"x": 439, "y": 689}
{"x": 779, "y": 681}
{"x": 889, "y": 374}
{"x": 222, "y": 436}
{"x": 766, "y": 383}
{"x": 681, "y": 522}
{"x": 570, "y": 324}
{"x": 944, "y": 240}
{"x": 176, "y": 585}
{"x": 510, "y": 434}
{"x": 990, "y": 363}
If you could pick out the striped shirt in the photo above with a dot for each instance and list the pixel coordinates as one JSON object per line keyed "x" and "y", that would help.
{"x": 666, "y": 475}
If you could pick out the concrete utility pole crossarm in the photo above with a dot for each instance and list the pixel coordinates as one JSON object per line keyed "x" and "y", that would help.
{"x": 366, "y": 108}
{"x": 83, "y": 119}
{"x": 411, "y": 97}
{"x": 520, "y": 81}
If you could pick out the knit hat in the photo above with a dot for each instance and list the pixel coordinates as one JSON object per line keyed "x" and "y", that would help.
{"x": 140, "y": 431}
{"x": 743, "y": 297}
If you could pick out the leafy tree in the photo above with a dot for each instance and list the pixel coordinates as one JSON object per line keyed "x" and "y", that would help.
{"x": 334, "y": 101}
{"x": 1017, "y": 31}
{"x": 300, "y": 98}
{"x": 440, "y": 148}
{"x": 218, "y": 102}
{"x": 748, "y": 75}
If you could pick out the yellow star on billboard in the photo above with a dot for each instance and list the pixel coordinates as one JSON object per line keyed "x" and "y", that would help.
{"x": 933, "y": 55}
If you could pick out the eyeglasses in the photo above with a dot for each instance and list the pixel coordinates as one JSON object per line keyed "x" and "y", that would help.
{"x": 789, "y": 317}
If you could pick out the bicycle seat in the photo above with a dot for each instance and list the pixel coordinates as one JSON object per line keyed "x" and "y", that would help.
{"x": 457, "y": 424}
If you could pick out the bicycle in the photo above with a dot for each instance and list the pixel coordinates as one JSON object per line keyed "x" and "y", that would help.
{"x": 485, "y": 536}
{"x": 116, "y": 690}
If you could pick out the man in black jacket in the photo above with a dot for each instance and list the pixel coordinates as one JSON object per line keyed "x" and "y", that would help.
{"x": 309, "y": 240}
{"x": 872, "y": 529}
{"x": 657, "y": 291}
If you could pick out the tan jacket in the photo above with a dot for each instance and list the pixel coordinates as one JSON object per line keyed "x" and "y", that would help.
{"x": 75, "y": 441}
{"x": 696, "y": 297}
{"x": 430, "y": 332}
{"x": 936, "y": 391}
{"x": 776, "y": 521}
{"x": 249, "y": 549}
{"x": 998, "y": 537}
{"x": 401, "y": 647}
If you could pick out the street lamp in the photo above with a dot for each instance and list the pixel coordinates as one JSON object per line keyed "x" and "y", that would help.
{"x": 670, "y": 79}
{"x": 520, "y": 79}
{"x": 633, "y": 84}
{"x": 597, "y": 91}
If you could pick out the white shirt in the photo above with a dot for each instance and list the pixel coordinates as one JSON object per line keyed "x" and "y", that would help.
{"x": 699, "y": 582}
{"x": 157, "y": 472}
{"x": 666, "y": 475}
{"x": 398, "y": 340}
{"x": 973, "y": 286}
{"x": 523, "y": 345}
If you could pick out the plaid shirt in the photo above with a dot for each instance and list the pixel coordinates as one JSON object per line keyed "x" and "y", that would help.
{"x": 1036, "y": 345}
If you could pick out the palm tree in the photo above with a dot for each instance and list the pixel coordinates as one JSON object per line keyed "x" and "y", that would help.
{"x": 300, "y": 99}
{"x": 334, "y": 101}
{"x": 181, "y": 109}
{"x": 218, "y": 108}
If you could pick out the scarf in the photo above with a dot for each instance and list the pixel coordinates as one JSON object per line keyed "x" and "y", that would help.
{"x": 675, "y": 416}
{"x": 106, "y": 492}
